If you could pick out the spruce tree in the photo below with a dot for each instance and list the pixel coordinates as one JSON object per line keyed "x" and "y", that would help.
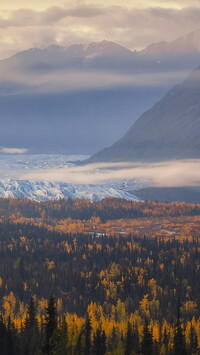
{"x": 59, "y": 340}
{"x": 147, "y": 341}
{"x": 88, "y": 329}
{"x": 179, "y": 347}
{"x": 99, "y": 343}
{"x": 50, "y": 324}
{"x": 31, "y": 315}
{"x": 129, "y": 340}
{"x": 30, "y": 334}
{"x": 9, "y": 339}
{"x": 2, "y": 335}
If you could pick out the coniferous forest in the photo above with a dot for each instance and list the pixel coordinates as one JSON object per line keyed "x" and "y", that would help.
{"x": 76, "y": 290}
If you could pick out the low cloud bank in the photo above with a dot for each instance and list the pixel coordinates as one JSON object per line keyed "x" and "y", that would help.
{"x": 6, "y": 150}
{"x": 163, "y": 174}
{"x": 61, "y": 81}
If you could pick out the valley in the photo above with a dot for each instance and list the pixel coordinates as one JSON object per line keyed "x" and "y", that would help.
{"x": 99, "y": 179}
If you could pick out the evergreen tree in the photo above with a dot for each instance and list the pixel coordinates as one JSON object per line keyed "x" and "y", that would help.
{"x": 99, "y": 343}
{"x": 50, "y": 324}
{"x": 179, "y": 347}
{"x": 147, "y": 341}
{"x": 136, "y": 342}
{"x": 2, "y": 335}
{"x": 129, "y": 341}
{"x": 59, "y": 339}
{"x": 30, "y": 339}
{"x": 88, "y": 329}
{"x": 9, "y": 339}
{"x": 30, "y": 322}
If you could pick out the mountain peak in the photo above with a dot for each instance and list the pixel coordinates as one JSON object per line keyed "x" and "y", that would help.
{"x": 105, "y": 48}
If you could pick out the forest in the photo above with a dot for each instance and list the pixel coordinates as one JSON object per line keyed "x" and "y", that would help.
{"x": 82, "y": 209}
{"x": 66, "y": 292}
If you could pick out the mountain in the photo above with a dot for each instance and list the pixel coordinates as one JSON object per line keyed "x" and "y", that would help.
{"x": 75, "y": 56}
{"x": 169, "y": 130}
{"x": 72, "y": 100}
{"x": 186, "y": 44}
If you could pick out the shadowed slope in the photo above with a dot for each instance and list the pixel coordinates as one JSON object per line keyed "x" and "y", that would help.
{"x": 169, "y": 130}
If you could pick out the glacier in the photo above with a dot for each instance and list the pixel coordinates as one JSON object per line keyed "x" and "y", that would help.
{"x": 47, "y": 190}
{"x": 13, "y": 169}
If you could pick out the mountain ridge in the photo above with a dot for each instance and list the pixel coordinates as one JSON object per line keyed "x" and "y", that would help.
{"x": 169, "y": 130}
{"x": 182, "y": 44}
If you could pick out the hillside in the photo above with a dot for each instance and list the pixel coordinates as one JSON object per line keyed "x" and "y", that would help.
{"x": 169, "y": 130}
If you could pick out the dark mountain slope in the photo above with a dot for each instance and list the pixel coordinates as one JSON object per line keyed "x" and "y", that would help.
{"x": 169, "y": 130}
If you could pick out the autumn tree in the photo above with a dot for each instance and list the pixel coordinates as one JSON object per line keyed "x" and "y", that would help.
{"x": 193, "y": 341}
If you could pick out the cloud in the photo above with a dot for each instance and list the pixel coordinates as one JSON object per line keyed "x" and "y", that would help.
{"x": 164, "y": 174}
{"x": 41, "y": 5}
{"x": 86, "y": 11}
{"x": 6, "y": 150}
{"x": 132, "y": 26}
{"x": 28, "y": 17}
{"x": 71, "y": 80}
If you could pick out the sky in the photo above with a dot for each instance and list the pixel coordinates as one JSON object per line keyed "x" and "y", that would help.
{"x": 132, "y": 23}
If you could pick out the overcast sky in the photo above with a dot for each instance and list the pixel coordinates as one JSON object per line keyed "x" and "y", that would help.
{"x": 132, "y": 23}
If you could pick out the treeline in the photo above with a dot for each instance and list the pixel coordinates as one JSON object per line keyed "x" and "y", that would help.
{"x": 91, "y": 336}
{"x": 107, "y": 209}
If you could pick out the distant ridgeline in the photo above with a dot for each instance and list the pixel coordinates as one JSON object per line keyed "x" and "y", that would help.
{"x": 113, "y": 294}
